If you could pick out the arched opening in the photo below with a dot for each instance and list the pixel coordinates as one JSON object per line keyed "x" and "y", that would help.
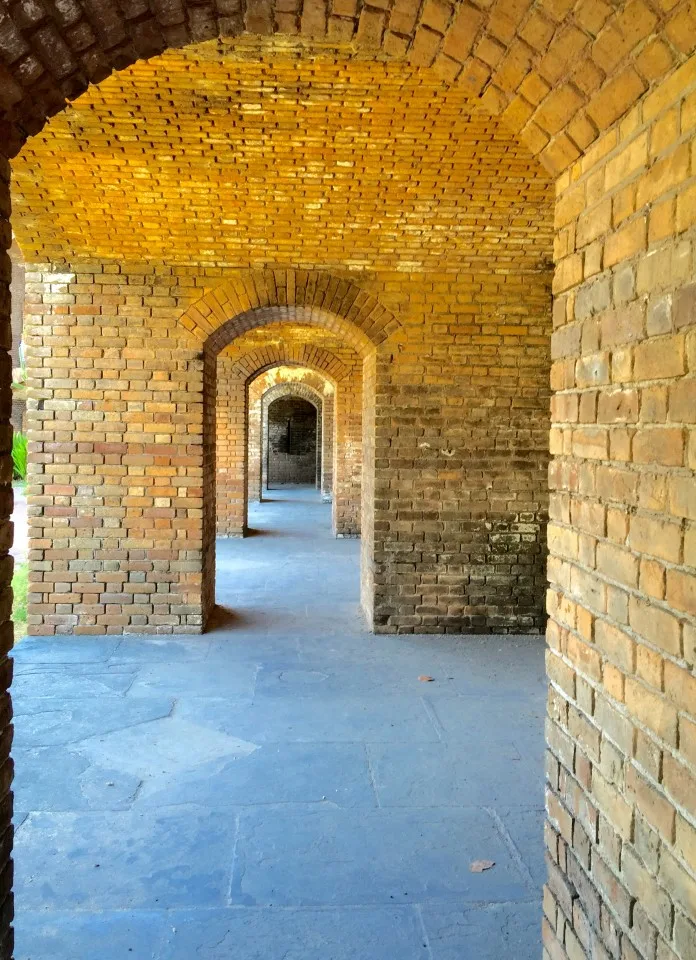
{"x": 317, "y": 389}
{"x": 314, "y": 330}
{"x": 449, "y": 230}
{"x": 291, "y": 446}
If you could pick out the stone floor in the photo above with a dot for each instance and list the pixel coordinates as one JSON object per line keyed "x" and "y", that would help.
{"x": 285, "y": 787}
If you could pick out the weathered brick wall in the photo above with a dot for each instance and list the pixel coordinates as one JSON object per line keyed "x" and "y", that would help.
{"x": 231, "y": 425}
{"x": 461, "y": 453}
{"x": 460, "y": 486}
{"x": 291, "y": 440}
{"x": 116, "y": 469}
{"x": 562, "y": 73}
{"x": 463, "y": 439}
{"x": 622, "y": 634}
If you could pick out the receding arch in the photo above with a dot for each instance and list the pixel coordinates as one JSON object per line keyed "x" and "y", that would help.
{"x": 308, "y": 356}
{"x": 279, "y": 391}
{"x": 317, "y": 298}
{"x": 310, "y": 380}
{"x": 255, "y": 299}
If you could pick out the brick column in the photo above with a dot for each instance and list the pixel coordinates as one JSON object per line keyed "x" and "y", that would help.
{"x": 380, "y": 494}
{"x": 231, "y": 453}
{"x": 115, "y": 423}
{"x": 319, "y": 448}
{"x": 6, "y": 633}
{"x": 347, "y": 470}
{"x": 255, "y": 403}
{"x": 327, "y": 446}
{"x": 621, "y": 731}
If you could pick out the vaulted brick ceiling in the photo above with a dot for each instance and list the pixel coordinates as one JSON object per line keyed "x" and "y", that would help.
{"x": 237, "y": 154}
{"x": 560, "y": 71}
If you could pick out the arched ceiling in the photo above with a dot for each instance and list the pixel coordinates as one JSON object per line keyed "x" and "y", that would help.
{"x": 210, "y": 156}
{"x": 560, "y": 70}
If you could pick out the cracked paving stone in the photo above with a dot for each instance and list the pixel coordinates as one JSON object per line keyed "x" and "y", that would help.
{"x": 360, "y": 857}
{"x": 41, "y": 722}
{"x": 372, "y": 933}
{"x": 145, "y": 859}
{"x": 506, "y": 931}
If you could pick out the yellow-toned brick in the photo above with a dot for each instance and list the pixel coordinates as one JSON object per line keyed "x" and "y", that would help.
{"x": 625, "y": 242}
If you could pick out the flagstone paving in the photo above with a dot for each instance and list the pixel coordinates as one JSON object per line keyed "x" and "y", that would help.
{"x": 284, "y": 787}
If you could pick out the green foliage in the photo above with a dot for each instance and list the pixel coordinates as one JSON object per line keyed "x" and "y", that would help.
{"x": 19, "y": 456}
{"x": 20, "y": 587}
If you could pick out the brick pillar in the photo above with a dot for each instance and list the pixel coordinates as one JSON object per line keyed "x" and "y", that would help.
{"x": 347, "y": 489}
{"x": 255, "y": 491}
{"x": 327, "y": 446}
{"x": 6, "y": 635}
{"x": 380, "y": 491}
{"x": 231, "y": 454}
{"x": 209, "y": 487}
{"x": 621, "y": 729}
{"x": 116, "y": 457}
{"x": 367, "y": 508}
{"x": 319, "y": 448}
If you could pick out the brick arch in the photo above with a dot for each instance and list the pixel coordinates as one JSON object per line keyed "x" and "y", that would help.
{"x": 256, "y": 362}
{"x": 280, "y": 391}
{"x": 260, "y": 297}
{"x": 292, "y": 388}
{"x": 555, "y": 75}
{"x": 315, "y": 383}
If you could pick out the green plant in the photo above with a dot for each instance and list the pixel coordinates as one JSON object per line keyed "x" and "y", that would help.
{"x": 19, "y": 456}
{"x": 20, "y": 587}
{"x": 19, "y": 377}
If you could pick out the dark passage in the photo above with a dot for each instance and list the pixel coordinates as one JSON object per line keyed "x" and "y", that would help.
{"x": 292, "y": 441}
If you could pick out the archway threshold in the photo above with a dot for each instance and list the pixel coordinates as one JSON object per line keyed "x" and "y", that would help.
{"x": 287, "y": 782}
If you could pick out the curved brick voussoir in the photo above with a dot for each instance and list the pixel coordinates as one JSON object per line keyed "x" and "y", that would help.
{"x": 314, "y": 298}
{"x": 305, "y": 355}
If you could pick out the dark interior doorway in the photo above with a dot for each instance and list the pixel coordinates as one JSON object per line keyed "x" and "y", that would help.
{"x": 292, "y": 441}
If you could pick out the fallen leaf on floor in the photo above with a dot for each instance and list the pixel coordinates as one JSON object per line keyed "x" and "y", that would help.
{"x": 425, "y": 678}
{"x": 478, "y": 866}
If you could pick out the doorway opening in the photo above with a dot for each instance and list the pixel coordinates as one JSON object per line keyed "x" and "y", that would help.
{"x": 291, "y": 448}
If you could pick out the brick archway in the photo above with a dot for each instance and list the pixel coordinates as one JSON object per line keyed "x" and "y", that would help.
{"x": 317, "y": 298}
{"x": 305, "y": 355}
{"x": 342, "y": 475}
{"x": 559, "y": 79}
{"x": 312, "y": 298}
{"x": 278, "y": 392}
{"x": 313, "y": 383}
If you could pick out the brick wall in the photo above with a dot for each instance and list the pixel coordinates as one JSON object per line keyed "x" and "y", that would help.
{"x": 622, "y": 635}
{"x": 458, "y": 303}
{"x": 291, "y": 441}
{"x": 116, "y": 469}
{"x": 561, "y": 74}
{"x": 461, "y": 445}
{"x": 121, "y": 405}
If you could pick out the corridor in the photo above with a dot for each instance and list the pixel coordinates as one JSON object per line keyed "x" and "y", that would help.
{"x": 285, "y": 786}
